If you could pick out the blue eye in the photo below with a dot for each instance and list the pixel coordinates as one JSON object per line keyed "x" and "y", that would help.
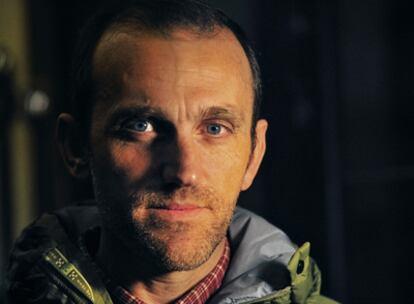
{"x": 139, "y": 125}
{"x": 214, "y": 129}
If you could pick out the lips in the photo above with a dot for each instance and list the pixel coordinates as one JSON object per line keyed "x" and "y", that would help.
{"x": 178, "y": 207}
{"x": 177, "y": 211}
{"x": 175, "y": 206}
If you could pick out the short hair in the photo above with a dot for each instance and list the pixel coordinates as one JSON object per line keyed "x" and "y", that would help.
{"x": 157, "y": 16}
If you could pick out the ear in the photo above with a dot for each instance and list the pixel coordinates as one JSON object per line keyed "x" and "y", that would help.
{"x": 72, "y": 146}
{"x": 257, "y": 154}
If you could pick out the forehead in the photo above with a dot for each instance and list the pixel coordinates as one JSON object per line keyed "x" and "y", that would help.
{"x": 146, "y": 66}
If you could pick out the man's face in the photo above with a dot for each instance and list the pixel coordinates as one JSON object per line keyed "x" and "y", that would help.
{"x": 171, "y": 141}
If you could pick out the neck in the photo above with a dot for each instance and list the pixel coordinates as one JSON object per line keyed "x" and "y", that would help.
{"x": 138, "y": 275}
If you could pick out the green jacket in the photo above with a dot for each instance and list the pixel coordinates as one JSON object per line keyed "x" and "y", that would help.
{"x": 47, "y": 266}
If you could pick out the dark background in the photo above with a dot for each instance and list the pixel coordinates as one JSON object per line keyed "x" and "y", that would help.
{"x": 338, "y": 93}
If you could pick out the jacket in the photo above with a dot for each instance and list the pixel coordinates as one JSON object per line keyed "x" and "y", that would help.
{"x": 47, "y": 265}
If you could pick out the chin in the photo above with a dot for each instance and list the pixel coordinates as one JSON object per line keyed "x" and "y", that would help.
{"x": 180, "y": 246}
{"x": 188, "y": 254}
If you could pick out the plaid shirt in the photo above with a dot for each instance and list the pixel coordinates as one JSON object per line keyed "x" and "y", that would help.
{"x": 198, "y": 295}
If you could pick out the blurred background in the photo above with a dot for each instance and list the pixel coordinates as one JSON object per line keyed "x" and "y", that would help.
{"x": 339, "y": 96}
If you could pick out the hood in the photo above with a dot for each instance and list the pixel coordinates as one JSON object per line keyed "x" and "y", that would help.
{"x": 260, "y": 253}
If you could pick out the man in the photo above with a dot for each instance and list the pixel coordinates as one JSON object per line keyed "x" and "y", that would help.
{"x": 167, "y": 127}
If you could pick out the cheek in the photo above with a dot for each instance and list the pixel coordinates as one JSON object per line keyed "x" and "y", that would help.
{"x": 129, "y": 160}
{"x": 226, "y": 166}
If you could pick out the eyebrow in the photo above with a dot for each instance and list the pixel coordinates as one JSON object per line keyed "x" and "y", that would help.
{"x": 138, "y": 111}
{"x": 226, "y": 112}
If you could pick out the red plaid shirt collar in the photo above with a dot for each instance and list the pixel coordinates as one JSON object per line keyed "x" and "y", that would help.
{"x": 198, "y": 295}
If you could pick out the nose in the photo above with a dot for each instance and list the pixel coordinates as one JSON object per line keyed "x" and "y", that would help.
{"x": 182, "y": 166}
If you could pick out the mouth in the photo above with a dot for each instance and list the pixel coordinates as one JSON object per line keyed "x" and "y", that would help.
{"x": 177, "y": 211}
{"x": 178, "y": 207}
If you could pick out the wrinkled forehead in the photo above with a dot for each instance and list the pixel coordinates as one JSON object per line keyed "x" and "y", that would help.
{"x": 213, "y": 54}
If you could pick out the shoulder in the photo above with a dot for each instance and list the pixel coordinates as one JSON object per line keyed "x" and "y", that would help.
{"x": 31, "y": 275}
{"x": 267, "y": 266}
